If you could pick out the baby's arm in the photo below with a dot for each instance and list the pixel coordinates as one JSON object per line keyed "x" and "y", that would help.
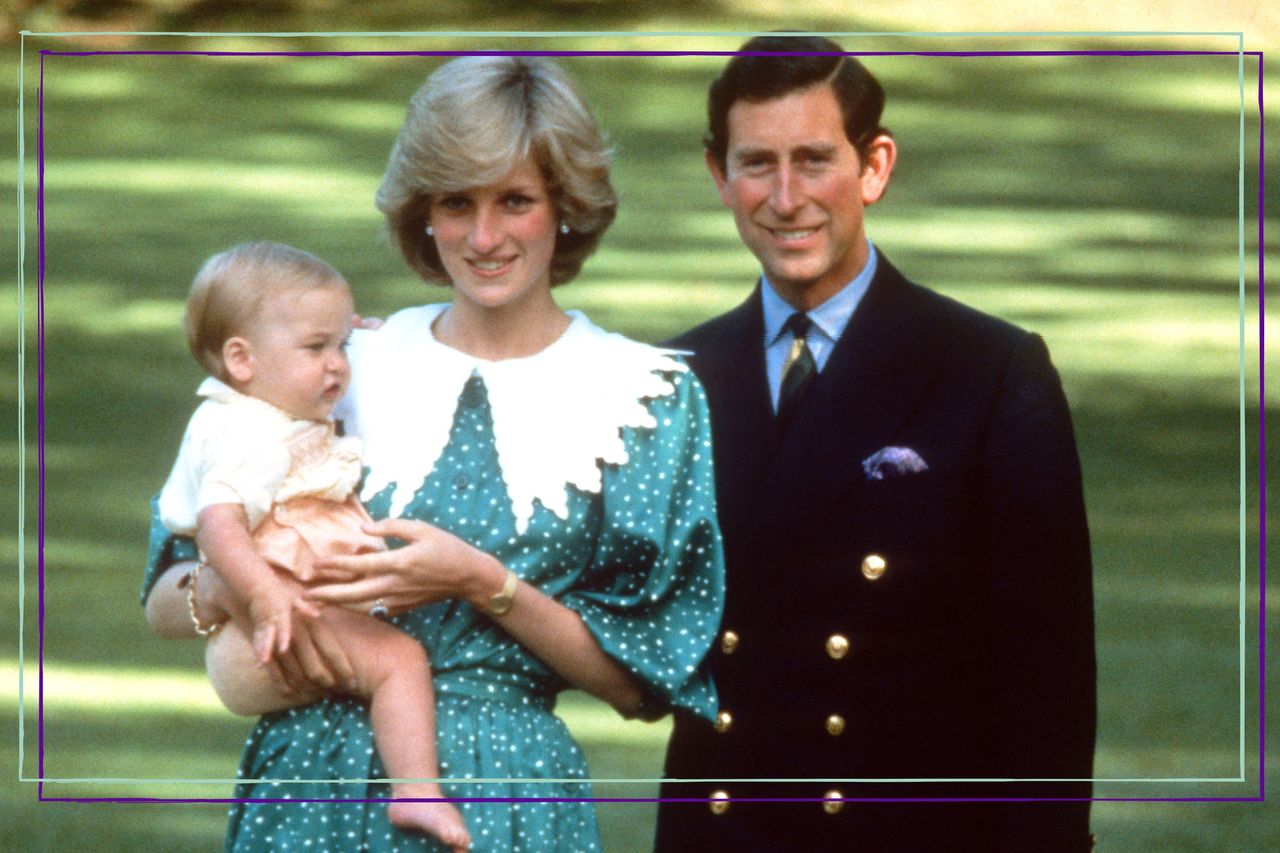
{"x": 223, "y": 537}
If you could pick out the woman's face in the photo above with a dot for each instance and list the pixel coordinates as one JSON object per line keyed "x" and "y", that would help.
{"x": 496, "y": 241}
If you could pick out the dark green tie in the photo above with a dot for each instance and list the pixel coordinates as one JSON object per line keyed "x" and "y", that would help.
{"x": 798, "y": 369}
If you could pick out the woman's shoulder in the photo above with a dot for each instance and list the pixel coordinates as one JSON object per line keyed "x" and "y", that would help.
{"x": 407, "y": 324}
{"x": 616, "y": 351}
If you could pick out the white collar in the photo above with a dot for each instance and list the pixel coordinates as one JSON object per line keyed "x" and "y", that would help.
{"x": 221, "y": 392}
{"x": 556, "y": 414}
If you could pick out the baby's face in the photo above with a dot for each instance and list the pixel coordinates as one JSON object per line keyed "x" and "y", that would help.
{"x": 298, "y": 350}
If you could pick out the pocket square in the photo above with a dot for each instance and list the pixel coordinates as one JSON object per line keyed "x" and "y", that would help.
{"x": 889, "y": 462}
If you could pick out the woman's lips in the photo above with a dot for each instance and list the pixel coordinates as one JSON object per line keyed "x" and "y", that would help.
{"x": 490, "y": 266}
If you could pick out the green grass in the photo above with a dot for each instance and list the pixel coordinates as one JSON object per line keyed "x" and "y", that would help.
{"x": 1090, "y": 199}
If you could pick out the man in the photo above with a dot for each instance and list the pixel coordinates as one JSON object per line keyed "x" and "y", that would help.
{"x": 908, "y": 587}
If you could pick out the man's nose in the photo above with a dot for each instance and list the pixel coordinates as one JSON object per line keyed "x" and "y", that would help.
{"x": 787, "y": 195}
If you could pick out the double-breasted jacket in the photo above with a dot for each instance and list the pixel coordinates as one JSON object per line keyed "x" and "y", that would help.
{"x": 891, "y": 624}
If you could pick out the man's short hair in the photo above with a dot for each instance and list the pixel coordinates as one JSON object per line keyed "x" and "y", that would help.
{"x": 764, "y": 78}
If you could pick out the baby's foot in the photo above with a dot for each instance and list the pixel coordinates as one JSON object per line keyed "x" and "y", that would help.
{"x": 439, "y": 819}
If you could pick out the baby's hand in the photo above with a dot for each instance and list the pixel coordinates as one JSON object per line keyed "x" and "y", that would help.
{"x": 272, "y": 607}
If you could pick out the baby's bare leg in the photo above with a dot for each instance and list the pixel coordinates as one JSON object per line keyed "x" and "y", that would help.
{"x": 392, "y": 672}
{"x": 240, "y": 681}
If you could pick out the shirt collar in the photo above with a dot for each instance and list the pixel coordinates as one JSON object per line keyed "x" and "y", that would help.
{"x": 831, "y": 317}
{"x": 219, "y": 391}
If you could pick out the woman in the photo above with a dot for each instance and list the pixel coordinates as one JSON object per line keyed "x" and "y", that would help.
{"x": 551, "y": 482}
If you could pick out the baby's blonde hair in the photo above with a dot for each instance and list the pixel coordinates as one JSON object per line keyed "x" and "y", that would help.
{"x": 229, "y": 289}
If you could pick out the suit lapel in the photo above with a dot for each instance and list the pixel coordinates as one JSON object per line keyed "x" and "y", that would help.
{"x": 856, "y": 405}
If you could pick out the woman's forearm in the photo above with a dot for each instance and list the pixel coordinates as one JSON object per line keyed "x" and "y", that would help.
{"x": 558, "y": 637}
{"x": 167, "y": 612}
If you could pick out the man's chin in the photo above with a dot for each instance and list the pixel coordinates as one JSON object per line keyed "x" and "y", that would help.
{"x": 794, "y": 277}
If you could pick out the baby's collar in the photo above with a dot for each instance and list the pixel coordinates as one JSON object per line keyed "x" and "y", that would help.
{"x": 220, "y": 392}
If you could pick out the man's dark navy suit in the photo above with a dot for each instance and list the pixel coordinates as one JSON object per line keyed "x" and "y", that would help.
{"x": 962, "y": 593}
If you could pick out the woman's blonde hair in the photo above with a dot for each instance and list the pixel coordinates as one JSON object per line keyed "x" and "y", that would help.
{"x": 227, "y": 293}
{"x": 469, "y": 125}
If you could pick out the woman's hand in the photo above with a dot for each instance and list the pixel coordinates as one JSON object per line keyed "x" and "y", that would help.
{"x": 433, "y": 566}
{"x": 436, "y": 565}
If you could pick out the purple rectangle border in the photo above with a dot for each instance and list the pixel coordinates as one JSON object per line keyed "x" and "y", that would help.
{"x": 1262, "y": 447}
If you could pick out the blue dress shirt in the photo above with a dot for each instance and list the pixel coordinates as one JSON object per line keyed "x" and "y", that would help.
{"x": 829, "y": 322}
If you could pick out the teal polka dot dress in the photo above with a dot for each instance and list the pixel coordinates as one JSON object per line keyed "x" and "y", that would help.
{"x": 628, "y": 540}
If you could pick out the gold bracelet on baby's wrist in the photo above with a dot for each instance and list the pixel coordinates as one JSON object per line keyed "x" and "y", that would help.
{"x": 499, "y": 604}
{"x": 201, "y": 628}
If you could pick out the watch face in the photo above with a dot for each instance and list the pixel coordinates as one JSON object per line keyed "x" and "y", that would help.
{"x": 501, "y": 603}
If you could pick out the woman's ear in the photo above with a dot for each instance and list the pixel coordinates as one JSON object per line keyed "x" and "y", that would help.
{"x": 237, "y": 358}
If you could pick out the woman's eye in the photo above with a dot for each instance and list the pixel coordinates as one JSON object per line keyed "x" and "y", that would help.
{"x": 453, "y": 203}
{"x": 518, "y": 200}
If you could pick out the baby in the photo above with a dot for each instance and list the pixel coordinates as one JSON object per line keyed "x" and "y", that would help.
{"x": 266, "y": 488}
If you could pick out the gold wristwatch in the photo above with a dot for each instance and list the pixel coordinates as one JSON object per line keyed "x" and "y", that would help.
{"x": 501, "y": 602}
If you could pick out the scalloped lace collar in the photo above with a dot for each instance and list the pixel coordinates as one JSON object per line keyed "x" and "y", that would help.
{"x": 556, "y": 414}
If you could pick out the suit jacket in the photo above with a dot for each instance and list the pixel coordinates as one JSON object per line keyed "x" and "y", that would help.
{"x": 936, "y": 625}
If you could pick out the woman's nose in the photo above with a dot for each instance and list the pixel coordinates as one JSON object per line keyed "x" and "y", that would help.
{"x": 486, "y": 233}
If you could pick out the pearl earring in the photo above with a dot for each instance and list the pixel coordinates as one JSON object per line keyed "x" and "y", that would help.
{"x": 431, "y": 232}
{"x": 564, "y": 228}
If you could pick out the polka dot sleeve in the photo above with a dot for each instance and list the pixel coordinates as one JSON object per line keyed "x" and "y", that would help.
{"x": 654, "y": 593}
{"x": 163, "y": 550}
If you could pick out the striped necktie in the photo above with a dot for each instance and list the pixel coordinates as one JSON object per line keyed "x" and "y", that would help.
{"x": 798, "y": 369}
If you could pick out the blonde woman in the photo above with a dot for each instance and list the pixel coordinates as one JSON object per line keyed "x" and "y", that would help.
{"x": 550, "y": 481}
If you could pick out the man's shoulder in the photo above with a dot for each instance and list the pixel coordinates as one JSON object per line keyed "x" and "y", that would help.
{"x": 952, "y": 320}
{"x": 719, "y": 330}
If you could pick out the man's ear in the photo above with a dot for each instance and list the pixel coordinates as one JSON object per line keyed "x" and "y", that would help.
{"x": 877, "y": 167}
{"x": 718, "y": 175}
{"x": 237, "y": 358}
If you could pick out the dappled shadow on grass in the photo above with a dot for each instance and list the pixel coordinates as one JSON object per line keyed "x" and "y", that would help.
{"x": 155, "y": 163}
{"x": 1162, "y": 488}
{"x": 143, "y": 745}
